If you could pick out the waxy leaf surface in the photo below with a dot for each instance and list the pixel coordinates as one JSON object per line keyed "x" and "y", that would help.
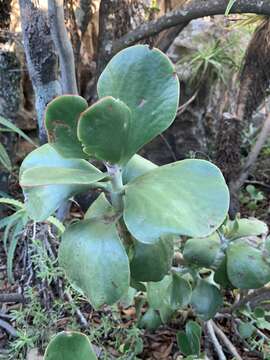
{"x": 151, "y": 262}
{"x": 188, "y": 197}
{"x": 137, "y": 166}
{"x": 104, "y": 130}
{"x": 206, "y": 300}
{"x": 202, "y": 251}
{"x": 246, "y": 266}
{"x": 95, "y": 261}
{"x": 70, "y": 346}
{"x": 42, "y": 201}
{"x": 61, "y": 120}
{"x": 146, "y": 81}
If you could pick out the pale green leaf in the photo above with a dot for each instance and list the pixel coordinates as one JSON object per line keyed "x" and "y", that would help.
{"x": 188, "y": 197}
{"x": 70, "y": 346}
{"x": 146, "y": 81}
{"x": 95, "y": 261}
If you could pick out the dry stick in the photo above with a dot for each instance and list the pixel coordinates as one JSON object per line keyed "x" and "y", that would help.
{"x": 217, "y": 346}
{"x": 12, "y": 298}
{"x": 8, "y": 328}
{"x": 80, "y": 315}
{"x": 63, "y": 46}
{"x": 226, "y": 341}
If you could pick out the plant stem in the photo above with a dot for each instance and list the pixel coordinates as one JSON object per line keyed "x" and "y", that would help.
{"x": 117, "y": 186}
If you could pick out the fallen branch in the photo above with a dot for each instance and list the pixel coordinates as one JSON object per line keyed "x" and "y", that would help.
{"x": 80, "y": 315}
{"x": 225, "y": 341}
{"x": 215, "y": 342}
{"x": 8, "y": 328}
{"x": 12, "y": 298}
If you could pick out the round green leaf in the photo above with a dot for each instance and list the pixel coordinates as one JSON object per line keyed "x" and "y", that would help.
{"x": 150, "y": 320}
{"x": 157, "y": 292}
{"x": 61, "y": 120}
{"x": 104, "y": 130}
{"x": 221, "y": 276}
{"x": 136, "y": 166}
{"x": 202, "y": 251}
{"x": 151, "y": 262}
{"x": 99, "y": 209}
{"x": 95, "y": 260}
{"x": 246, "y": 266}
{"x": 47, "y": 175}
{"x": 180, "y": 292}
{"x": 70, "y": 346}
{"x": 250, "y": 227}
{"x": 42, "y": 201}
{"x": 246, "y": 330}
{"x": 206, "y": 300}
{"x": 146, "y": 81}
{"x": 188, "y": 197}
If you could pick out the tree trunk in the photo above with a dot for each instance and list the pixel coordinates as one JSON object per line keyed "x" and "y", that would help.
{"x": 41, "y": 57}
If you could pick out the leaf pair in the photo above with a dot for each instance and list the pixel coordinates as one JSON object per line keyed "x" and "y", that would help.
{"x": 139, "y": 93}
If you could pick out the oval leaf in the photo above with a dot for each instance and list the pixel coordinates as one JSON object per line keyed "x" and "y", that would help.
{"x": 180, "y": 292}
{"x": 61, "y": 120}
{"x": 250, "y": 227}
{"x": 206, "y": 300}
{"x": 151, "y": 262}
{"x": 43, "y": 176}
{"x": 95, "y": 261}
{"x": 146, "y": 81}
{"x": 202, "y": 251}
{"x": 188, "y": 197}
{"x": 246, "y": 266}
{"x": 104, "y": 130}
{"x": 42, "y": 201}
{"x": 70, "y": 346}
{"x": 150, "y": 320}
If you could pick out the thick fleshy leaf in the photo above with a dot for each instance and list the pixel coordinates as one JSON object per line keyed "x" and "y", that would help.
{"x": 250, "y": 227}
{"x": 202, "y": 251}
{"x": 150, "y": 320}
{"x": 221, "y": 276}
{"x": 61, "y": 120}
{"x": 100, "y": 209}
{"x": 95, "y": 260}
{"x": 104, "y": 130}
{"x": 157, "y": 292}
{"x": 146, "y": 81}
{"x": 206, "y": 300}
{"x": 137, "y": 166}
{"x": 69, "y": 345}
{"x": 189, "y": 341}
{"x": 151, "y": 262}
{"x": 42, "y": 201}
{"x": 246, "y": 266}
{"x": 46, "y": 175}
{"x": 180, "y": 292}
{"x": 188, "y": 197}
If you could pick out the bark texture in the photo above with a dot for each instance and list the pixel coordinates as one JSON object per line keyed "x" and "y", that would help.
{"x": 41, "y": 57}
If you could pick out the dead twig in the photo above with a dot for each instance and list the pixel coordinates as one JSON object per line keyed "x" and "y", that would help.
{"x": 225, "y": 340}
{"x": 214, "y": 340}
{"x": 8, "y": 328}
{"x": 80, "y": 315}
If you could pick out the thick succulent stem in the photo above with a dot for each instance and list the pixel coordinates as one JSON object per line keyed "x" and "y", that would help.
{"x": 117, "y": 186}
